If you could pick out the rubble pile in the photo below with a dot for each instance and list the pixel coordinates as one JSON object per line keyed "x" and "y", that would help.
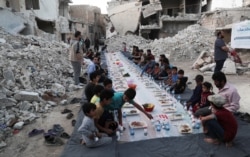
{"x": 29, "y": 67}
{"x": 187, "y": 44}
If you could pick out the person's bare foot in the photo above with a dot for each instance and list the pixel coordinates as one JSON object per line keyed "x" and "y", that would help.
{"x": 212, "y": 141}
{"x": 229, "y": 144}
{"x": 82, "y": 142}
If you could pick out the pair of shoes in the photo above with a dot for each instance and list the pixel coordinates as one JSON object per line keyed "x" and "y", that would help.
{"x": 66, "y": 111}
{"x": 70, "y": 115}
{"x": 51, "y": 140}
{"x": 35, "y": 132}
{"x": 73, "y": 122}
{"x": 58, "y": 129}
{"x": 65, "y": 135}
{"x": 75, "y": 100}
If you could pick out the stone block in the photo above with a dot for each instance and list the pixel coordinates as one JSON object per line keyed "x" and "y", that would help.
{"x": 18, "y": 125}
{"x": 25, "y": 81}
{"x": 58, "y": 89}
{"x": 2, "y": 40}
{"x": 27, "y": 96}
{"x": 24, "y": 105}
{"x": 8, "y": 75}
{"x": 7, "y": 102}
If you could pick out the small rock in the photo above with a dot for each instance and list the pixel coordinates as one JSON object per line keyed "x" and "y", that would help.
{"x": 18, "y": 125}
{"x": 27, "y": 96}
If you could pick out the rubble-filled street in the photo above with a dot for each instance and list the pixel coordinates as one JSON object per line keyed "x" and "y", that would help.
{"x": 40, "y": 99}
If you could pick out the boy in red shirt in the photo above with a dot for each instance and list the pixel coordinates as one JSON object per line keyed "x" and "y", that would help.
{"x": 220, "y": 126}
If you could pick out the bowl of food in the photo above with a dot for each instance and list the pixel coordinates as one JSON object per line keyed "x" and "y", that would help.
{"x": 132, "y": 86}
{"x": 148, "y": 107}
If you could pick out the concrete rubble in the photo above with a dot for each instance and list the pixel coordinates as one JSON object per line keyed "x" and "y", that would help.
{"x": 35, "y": 75}
{"x": 187, "y": 44}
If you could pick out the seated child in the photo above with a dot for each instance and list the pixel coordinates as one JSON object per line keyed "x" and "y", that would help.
{"x": 196, "y": 96}
{"x": 173, "y": 79}
{"x": 97, "y": 91}
{"x": 180, "y": 85}
{"x": 101, "y": 122}
{"x": 221, "y": 125}
{"x": 108, "y": 84}
{"x": 88, "y": 130}
{"x": 156, "y": 71}
{"x": 206, "y": 91}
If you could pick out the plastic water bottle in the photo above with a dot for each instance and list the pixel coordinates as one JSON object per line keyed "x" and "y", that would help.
{"x": 124, "y": 115}
{"x": 118, "y": 135}
{"x": 115, "y": 115}
{"x": 179, "y": 98}
{"x": 167, "y": 127}
{"x": 132, "y": 132}
{"x": 145, "y": 132}
{"x": 197, "y": 124}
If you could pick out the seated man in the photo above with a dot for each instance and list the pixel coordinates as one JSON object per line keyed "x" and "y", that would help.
{"x": 149, "y": 66}
{"x": 220, "y": 125}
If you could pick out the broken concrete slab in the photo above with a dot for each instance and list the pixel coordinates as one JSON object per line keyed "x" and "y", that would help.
{"x": 27, "y": 96}
{"x": 18, "y": 125}
{"x": 7, "y": 102}
{"x": 2, "y": 40}
{"x": 8, "y": 75}
{"x": 10, "y": 22}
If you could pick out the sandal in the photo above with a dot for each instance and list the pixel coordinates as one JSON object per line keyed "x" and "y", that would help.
{"x": 53, "y": 141}
{"x": 65, "y": 135}
{"x": 70, "y": 115}
{"x": 73, "y": 122}
{"x": 66, "y": 111}
{"x": 35, "y": 132}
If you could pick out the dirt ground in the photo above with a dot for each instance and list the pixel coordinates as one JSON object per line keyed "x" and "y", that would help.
{"x": 20, "y": 145}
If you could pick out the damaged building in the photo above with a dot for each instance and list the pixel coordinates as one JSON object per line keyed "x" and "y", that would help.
{"x": 155, "y": 18}
{"x": 45, "y": 18}
{"x": 88, "y": 20}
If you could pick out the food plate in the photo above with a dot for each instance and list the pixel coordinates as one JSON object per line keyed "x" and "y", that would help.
{"x": 185, "y": 129}
{"x": 131, "y": 112}
{"x": 176, "y": 116}
{"x": 138, "y": 124}
{"x": 127, "y": 105}
{"x": 165, "y": 102}
{"x": 169, "y": 110}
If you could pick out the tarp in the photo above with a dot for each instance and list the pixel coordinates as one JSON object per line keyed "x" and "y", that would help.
{"x": 240, "y": 37}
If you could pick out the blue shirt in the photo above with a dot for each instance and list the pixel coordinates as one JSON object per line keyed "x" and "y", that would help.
{"x": 174, "y": 78}
{"x": 149, "y": 65}
{"x": 91, "y": 68}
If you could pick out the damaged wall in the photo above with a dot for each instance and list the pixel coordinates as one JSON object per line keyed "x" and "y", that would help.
{"x": 246, "y": 3}
{"x": 220, "y": 18}
{"x": 48, "y": 10}
{"x": 11, "y": 22}
{"x": 90, "y": 20}
{"x": 125, "y": 18}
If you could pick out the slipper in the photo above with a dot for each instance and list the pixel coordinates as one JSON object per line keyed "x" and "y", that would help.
{"x": 35, "y": 132}
{"x": 65, "y": 135}
{"x": 53, "y": 141}
{"x": 66, "y": 111}
{"x": 58, "y": 128}
{"x": 70, "y": 115}
{"x": 73, "y": 122}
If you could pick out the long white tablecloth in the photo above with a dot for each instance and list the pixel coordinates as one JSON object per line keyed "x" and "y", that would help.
{"x": 147, "y": 91}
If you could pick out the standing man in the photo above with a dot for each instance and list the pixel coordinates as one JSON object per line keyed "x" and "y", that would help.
{"x": 220, "y": 51}
{"x": 87, "y": 43}
{"x": 76, "y": 56}
{"x": 96, "y": 44}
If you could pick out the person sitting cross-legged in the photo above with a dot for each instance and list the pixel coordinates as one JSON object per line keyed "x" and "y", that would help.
{"x": 220, "y": 125}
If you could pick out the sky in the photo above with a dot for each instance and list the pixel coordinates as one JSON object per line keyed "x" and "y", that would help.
{"x": 102, "y": 4}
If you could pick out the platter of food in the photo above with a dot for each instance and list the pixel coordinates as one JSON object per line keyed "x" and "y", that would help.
{"x": 138, "y": 124}
{"x": 128, "y": 105}
{"x": 176, "y": 116}
{"x": 165, "y": 102}
{"x": 169, "y": 110}
{"x": 131, "y": 112}
{"x": 185, "y": 129}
